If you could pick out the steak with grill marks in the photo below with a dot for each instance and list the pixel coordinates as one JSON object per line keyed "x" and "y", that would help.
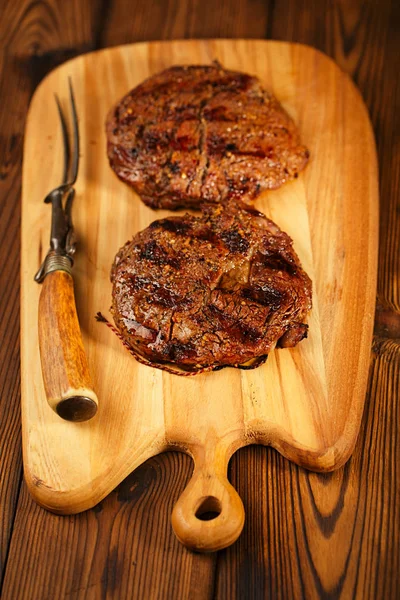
{"x": 210, "y": 291}
{"x": 199, "y": 133}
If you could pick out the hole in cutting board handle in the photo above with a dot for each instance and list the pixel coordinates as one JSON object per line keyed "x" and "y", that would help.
{"x": 209, "y": 509}
{"x": 209, "y": 514}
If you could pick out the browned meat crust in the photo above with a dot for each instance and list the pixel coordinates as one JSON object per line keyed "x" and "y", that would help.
{"x": 200, "y": 133}
{"x": 210, "y": 291}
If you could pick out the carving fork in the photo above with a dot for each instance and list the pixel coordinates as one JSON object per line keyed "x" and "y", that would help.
{"x": 64, "y": 365}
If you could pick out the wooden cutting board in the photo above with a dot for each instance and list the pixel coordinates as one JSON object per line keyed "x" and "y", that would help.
{"x": 306, "y": 402}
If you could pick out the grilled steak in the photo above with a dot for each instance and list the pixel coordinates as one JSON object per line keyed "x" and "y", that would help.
{"x": 200, "y": 133}
{"x": 210, "y": 291}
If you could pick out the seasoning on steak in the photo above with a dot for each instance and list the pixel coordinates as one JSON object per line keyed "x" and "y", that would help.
{"x": 199, "y": 133}
{"x": 211, "y": 291}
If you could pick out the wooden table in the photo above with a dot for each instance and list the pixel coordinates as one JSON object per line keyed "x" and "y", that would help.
{"x": 306, "y": 535}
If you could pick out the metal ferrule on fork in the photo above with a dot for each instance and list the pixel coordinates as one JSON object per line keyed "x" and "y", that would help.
{"x": 54, "y": 262}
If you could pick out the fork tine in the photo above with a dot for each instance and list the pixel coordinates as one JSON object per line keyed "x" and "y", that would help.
{"x": 75, "y": 130}
{"x": 65, "y": 140}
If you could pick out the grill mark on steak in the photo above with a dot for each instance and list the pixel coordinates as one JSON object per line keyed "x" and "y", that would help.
{"x": 204, "y": 157}
{"x": 176, "y": 226}
{"x": 275, "y": 261}
{"x": 166, "y": 170}
{"x": 195, "y": 133}
{"x": 265, "y": 295}
{"x": 213, "y": 290}
{"x": 234, "y": 241}
{"x": 192, "y": 181}
{"x": 237, "y": 329}
{"x": 154, "y": 253}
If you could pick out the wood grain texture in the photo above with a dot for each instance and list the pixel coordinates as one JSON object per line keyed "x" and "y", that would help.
{"x": 174, "y": 19}
{"x": 65, "y": 370}
{"x": 36, "y": 28}
{"x": 362, "y": 36}
{"x": 15, "y": 93}
{"x": 306, "y": 402}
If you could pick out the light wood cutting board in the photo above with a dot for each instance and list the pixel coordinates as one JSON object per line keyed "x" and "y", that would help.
{"x": 306, "y": 402}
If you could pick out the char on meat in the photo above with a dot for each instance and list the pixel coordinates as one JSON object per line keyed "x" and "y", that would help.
{"x": 205, "y": 292}
{"x": 196, "y": 133}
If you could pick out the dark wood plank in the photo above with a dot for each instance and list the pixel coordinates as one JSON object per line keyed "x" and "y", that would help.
{"x": 15, "y": 92}
{"x": 125, "y": 548}
{"x": 32, "y": 28}
{"x": 129, "y": 21}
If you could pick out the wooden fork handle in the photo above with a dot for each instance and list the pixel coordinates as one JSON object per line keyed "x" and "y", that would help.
{"x": 64, "y": 365}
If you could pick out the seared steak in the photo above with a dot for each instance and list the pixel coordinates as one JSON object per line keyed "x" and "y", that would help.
{"x": 210, "y": 291}
{"x": 200, "y": 133}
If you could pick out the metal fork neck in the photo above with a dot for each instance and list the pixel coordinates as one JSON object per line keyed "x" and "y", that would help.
{"x": 62, "y": 239}
{"x": 59, "y": 222}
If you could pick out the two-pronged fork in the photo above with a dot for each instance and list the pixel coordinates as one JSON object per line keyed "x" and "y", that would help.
{"x": 64, "y": 365}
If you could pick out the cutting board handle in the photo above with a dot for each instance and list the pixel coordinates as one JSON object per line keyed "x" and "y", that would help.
{"x": 209, "y": 514}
